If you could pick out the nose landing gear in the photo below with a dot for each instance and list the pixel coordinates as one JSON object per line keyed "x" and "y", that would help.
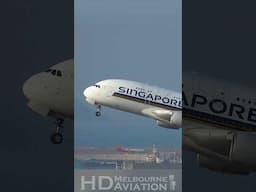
{"x": 98, "y": 112}
{"x": 57, "y": 137}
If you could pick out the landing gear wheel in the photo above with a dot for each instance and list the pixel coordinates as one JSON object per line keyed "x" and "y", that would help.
{"x": 57, "y": 138}
{"x": 98, "y": 113}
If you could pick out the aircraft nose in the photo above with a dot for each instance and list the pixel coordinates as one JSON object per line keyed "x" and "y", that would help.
{"x": 29, "y": 87}
{"x": 26, "y": 88}
{"x": 87, "y": 92}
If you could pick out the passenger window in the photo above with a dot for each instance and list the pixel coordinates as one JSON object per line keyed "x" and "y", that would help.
{"x": 54, "y": 72}
{"x": 59, "y": 73}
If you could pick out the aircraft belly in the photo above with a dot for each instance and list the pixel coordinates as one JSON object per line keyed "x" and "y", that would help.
{"x": 63, "y": 108}
{"x": 39, "y": 108}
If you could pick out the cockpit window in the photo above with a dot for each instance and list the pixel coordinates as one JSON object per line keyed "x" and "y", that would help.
{"x": 98, "y": 86}
{"x": 48, "y": 70}
{"x": 59, "y": 73}
{"x": 54, "y": 72}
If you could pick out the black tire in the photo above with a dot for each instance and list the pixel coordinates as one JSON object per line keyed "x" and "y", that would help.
{"x": 98, "y": 113}
{"x": 57, "y": 138}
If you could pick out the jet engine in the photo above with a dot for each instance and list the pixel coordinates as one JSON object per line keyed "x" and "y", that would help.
{"x": 176, "y": 119}
{"x": 163, "y": 124}
{"x": 243, "y": 149}
{"x": 224, "y": 150}
{"x": 171, "y": 120}
{"x": 222, "y": 165}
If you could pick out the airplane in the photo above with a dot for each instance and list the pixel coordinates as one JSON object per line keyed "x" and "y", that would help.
{"x": 50, "y": 93}
{"x": 162, "y": 105}
{"x": 126, "y": 149}
{"x": 219, "y": 124}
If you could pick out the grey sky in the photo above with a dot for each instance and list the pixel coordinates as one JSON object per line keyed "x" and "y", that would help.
{"x": 136, "y": 40}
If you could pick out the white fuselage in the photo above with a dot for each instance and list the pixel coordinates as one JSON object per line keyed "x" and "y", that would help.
{"x": 132, "y": 97}
{"x": 218, "y": 103}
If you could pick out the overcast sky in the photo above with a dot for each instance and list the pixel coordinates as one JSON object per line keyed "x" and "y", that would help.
{"x": 136, "y": 40}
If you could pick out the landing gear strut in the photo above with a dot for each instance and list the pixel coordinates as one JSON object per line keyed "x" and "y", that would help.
{"x": 57, "y": 137}
{"x": 98, "y": 112}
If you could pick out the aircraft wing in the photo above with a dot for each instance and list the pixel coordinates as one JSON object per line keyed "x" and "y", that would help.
{"x": 164, "y": 117}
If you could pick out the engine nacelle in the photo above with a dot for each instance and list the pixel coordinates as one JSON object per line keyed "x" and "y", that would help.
{"x": 224, "y": 150}
{"x": 221, "y": 165}
{"x": 208, "y": 141}
{"x": 162, "y": 124}
{"x": 243, "y": 149}
{"x": 176, "y": 119}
